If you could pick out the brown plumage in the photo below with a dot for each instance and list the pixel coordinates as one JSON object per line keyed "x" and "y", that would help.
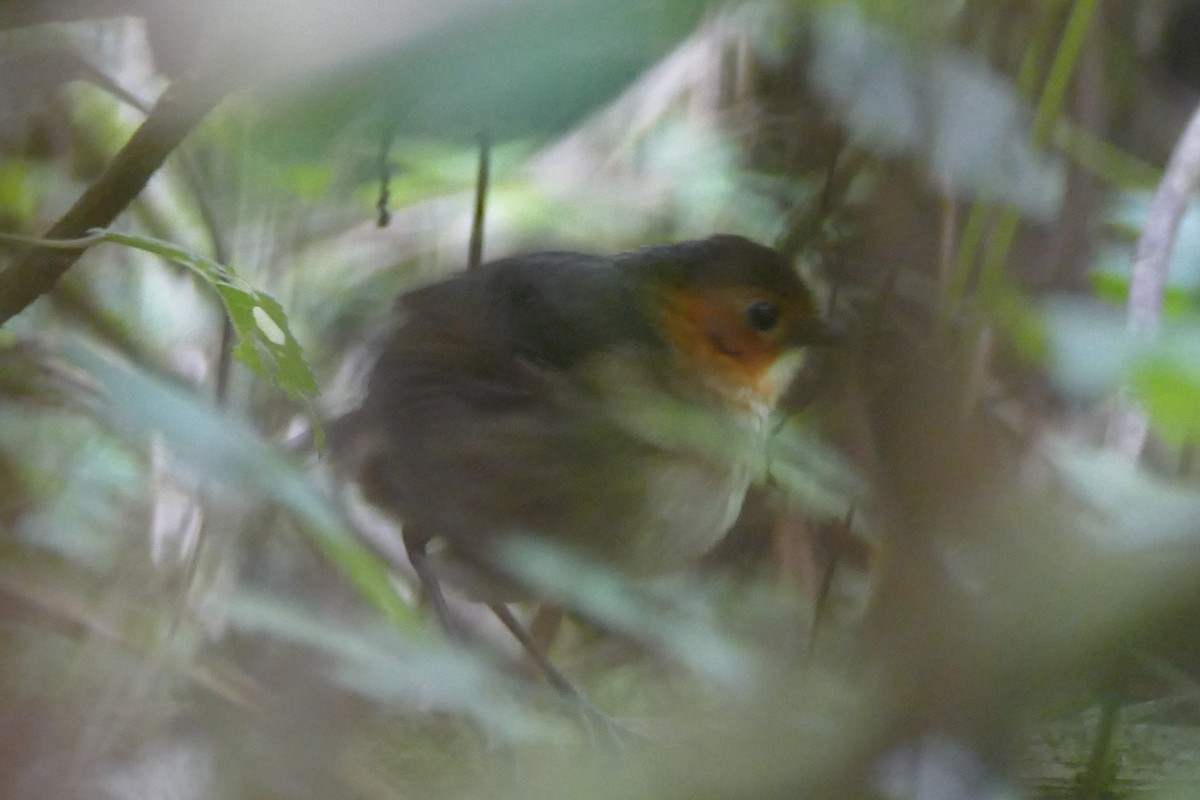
{"x": 613, "y": 405}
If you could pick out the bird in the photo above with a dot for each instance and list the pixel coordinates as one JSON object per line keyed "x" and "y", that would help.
{"x": 616, "y": 406}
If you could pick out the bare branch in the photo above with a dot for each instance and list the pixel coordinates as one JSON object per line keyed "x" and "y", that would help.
{"x": 180, "y": 108}
{"x": 1129, "y": 425}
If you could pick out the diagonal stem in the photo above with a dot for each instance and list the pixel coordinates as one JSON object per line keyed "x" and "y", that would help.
{"x": 1129, "y": 425}
{"x": 180, "y": 108}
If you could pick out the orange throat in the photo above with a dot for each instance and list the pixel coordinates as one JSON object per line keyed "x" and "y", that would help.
{"x": 734, "y": 365}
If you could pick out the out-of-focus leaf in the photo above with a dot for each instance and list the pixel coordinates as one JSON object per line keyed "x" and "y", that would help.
{"x": 1114, "y": 261}
{"x": 264, "y": 340}
{"x": 1106, "y": 161}
{"x": 944, "y": 106}
{"x": 530, "y": 67}
{"x": 1089, "y": 351}
{"x": 77, "y": 489}
{"x": 18, "y": 201}
{"x": 381, "y": 664}
{"x": 811, "y": 474}
{"x": 101, "y": 129}
{"x": 1136, "y": 509}
{"x": 712, "y": 192}
{"x": 918, "y": 18}
{"x": 309, "y": 181}
{"x": 1019, "y": 321}
{"x": 423, "y": 168}
{"x": 672, "y": 621}
{"x": 1168, "y": 385}
{"x": 224, "y": 449}
{"x": 1114, "y": 288}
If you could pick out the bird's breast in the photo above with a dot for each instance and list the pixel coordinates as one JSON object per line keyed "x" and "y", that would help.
{"x": 696, "y": 462}
{"x": 689, "y": 506}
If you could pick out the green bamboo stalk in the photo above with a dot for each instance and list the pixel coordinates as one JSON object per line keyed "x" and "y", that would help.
{"x": 1048, "y": 109}
{"x": 976, "y": 228}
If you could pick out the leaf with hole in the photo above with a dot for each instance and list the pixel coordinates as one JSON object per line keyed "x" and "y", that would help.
{"x": 265, "y": 342}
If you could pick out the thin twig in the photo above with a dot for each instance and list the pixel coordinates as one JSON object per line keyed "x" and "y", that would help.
{"x": 803, "y": 227}
{"x": 383, "y": 203}
{"x": 1129, "y": 425}
{"x": 475, "y": 253}
{"x": 836, "y": 546}
{"x": 1049, "y": 109}
{"x": 221, "y": 254}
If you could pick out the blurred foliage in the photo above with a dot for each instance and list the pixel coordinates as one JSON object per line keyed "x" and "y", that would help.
{"x": 941, "y": 555}
{"x": 533, "y": 67}
{"x": 264, "y": 342}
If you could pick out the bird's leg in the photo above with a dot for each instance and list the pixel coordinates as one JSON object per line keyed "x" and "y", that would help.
{"x": 415, "y": 548}
{"x": 833, "y": 542}
{"x": 552, "y": 673}
{"x": 547, "y": 621}
{"x": 597, "y": 721}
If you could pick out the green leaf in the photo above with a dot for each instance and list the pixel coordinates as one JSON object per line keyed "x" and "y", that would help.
{"x": 309, "y": 181}
{"x": 1088, "y": 350}
{"x": 1114, "y": 261}
{"x": 519, "y": 68}
{"x": 899, "y": 97}
{"x": 1170, "y": 391}
{"x": 223, "y": 448}
{"x": 1106, "y": 161}
{"x": 810, "y": 474}
{"x": 1114, "y": 288}
{"x": 18, "y": 202}
{"x": 1138, "y": 509}
{"x": 265, "y": 342}
{"x": 1109, "y": 286}
{"x": 673, "y": 618}
{"x": 1090, "y": 353}
{"x": 387, "y": 666}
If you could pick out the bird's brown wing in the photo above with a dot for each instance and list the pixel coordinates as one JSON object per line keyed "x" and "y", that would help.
{"x": 465, "y": 460}
{"x": 475, "y": 429}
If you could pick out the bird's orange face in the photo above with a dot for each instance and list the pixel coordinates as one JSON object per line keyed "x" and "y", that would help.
{"x": 743, "y": 340}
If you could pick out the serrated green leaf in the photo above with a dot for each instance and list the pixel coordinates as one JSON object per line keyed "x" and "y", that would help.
{"x": 264, "y": 342}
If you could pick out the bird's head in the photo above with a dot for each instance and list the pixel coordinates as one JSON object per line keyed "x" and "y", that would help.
{"x": 736, "y": 315}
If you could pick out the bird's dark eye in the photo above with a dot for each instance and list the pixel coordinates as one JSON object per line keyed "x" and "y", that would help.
{"x": 762, "y": 315}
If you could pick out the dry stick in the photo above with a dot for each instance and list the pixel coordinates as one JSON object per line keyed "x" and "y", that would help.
{"x": 834, "y": 556}
{"x": 947, "y": 235}
{"x": 803, "y": 226}
{"x": 475, "y": 251}
{"x": 1129, "y": 425}
{"x": 221, "y": 254}
{"x": 533, "y": 647}
{"x": 382, "y": 205}
{"x": 1097, "y": 777}
{"x": 180, "y": 108}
